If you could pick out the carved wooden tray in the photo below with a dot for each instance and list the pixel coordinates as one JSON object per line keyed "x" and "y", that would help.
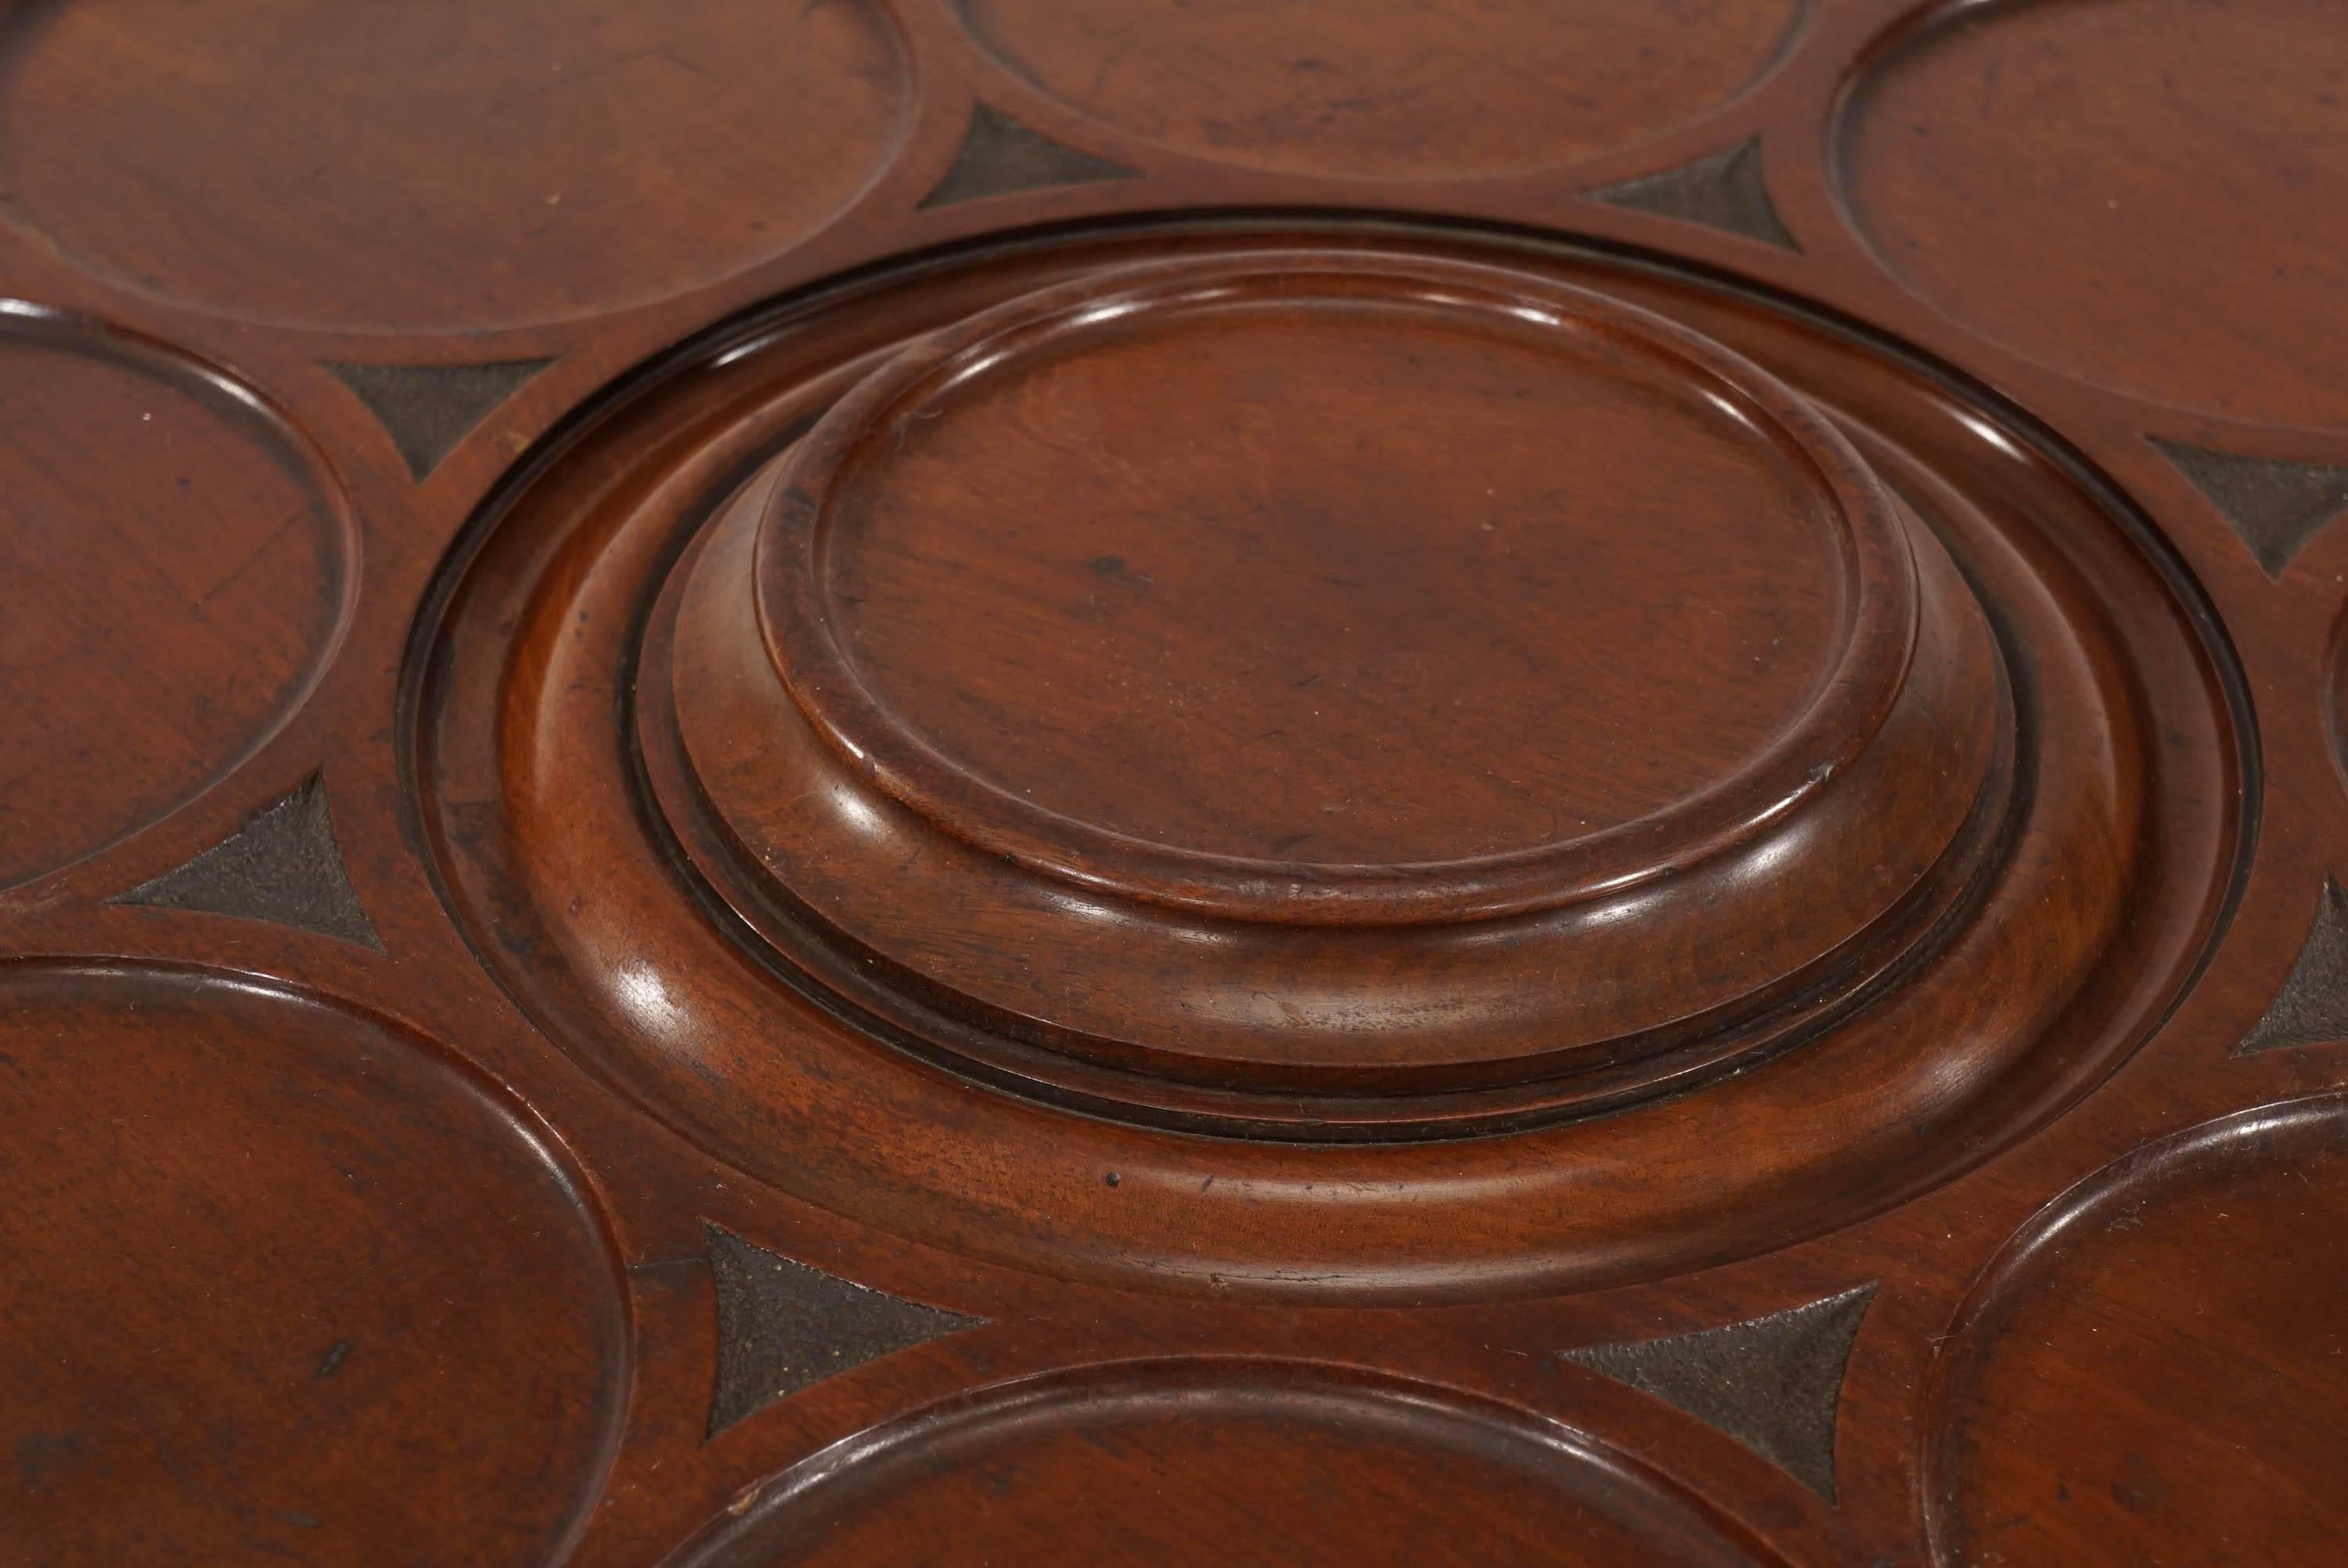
{"x": 1173, "y": 782}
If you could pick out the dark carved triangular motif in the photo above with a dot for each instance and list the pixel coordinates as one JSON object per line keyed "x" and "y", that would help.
{"x": 2311, "y": 1009}
{"x": 281, "y": 865}
{"x": 999, "y": 156}
{"x": 428, "y": 408}
{"x": 1724, "y": 191}
{"x": 783, "y": 1326}
{"x": 1771, "y": 1383}
{"x": 2275, "y": 507}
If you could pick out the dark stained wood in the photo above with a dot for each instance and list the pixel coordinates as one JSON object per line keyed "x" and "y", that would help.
{"x": 948, "y": 780}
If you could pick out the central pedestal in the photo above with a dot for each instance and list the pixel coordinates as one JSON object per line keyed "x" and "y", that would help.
{"x": 1336, "y": 695}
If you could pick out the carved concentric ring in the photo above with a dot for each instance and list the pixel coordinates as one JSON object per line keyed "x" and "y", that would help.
{"x": 822, "y": 563}
{"x": 628, "y": 864}
{"x": 932, "y": 732}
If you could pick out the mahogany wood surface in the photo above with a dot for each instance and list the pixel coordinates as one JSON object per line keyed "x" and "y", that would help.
{"x": 1174, "y": 782}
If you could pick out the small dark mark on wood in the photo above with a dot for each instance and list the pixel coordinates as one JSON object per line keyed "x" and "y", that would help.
{"x": 38, "y": 1453}
{"x": 653, "y": 1264}
{"x": 335, "y": 1355}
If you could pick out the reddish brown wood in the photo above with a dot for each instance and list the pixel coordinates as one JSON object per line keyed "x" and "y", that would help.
{"x": 948, "y": 780}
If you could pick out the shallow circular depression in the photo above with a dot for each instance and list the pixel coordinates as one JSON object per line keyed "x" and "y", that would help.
{"x": 432, "y": 168}
{"x": 1389, "y": 90}
{"x": 2149, "y": 1370}
{"x": 176, "y": 565}
{"x": 577, "y": 892}
{"x": 2055, "y": 175}
{"x": 251, "y": 1317}
{"x": 1171, "y": 1463}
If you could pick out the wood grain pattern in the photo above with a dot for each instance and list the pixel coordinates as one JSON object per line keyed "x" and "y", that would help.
{"x": 949, "y": 781}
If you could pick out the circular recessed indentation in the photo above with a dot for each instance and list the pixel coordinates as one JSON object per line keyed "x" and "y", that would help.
{"x": 835, "y": 979}
{"x": 2158, "y": 1367}
{"x": 1172, "y": 1464}
{"x": 249, "y": 1313}
{"x": 1390, "y": 89}
{"x": 174, "y": 564}
{"x": 424, "y": 167}
{"x": 2061, "y": 176}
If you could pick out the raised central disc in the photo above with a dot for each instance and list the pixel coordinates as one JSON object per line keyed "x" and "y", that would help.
{"x": 1338, "y": 536}
{"x": 1341, "y": 594}
{"x": 1335, "y": 675}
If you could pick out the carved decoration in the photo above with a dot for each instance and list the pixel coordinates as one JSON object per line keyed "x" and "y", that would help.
{"x": 2155, "y": 1369}
{"x": 914, "y": 712}
{"x": 1724, "y": 191}
{"x": 783, "y": 1326}
{"x": 428, "y": 409}
{"x": 2276, "y": 507}
{"x": 2311, "y": 1009}
{"x": 1773, "y": 1383}
{"x": 998, "y": 157}
{"x": 283, "y": 865}
{"x": 1096, "y": 663}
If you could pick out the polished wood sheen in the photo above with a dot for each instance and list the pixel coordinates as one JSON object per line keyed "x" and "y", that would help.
{"x": 950, "y": 781}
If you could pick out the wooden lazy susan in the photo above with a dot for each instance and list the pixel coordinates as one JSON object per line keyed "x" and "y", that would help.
{"x": 955, "y": 781}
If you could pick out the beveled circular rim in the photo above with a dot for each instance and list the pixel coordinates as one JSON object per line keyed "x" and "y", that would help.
{"x": 564, "y": 883}
{"x": 1426, "y": 1414}
{"x": 1847, "y": 706}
